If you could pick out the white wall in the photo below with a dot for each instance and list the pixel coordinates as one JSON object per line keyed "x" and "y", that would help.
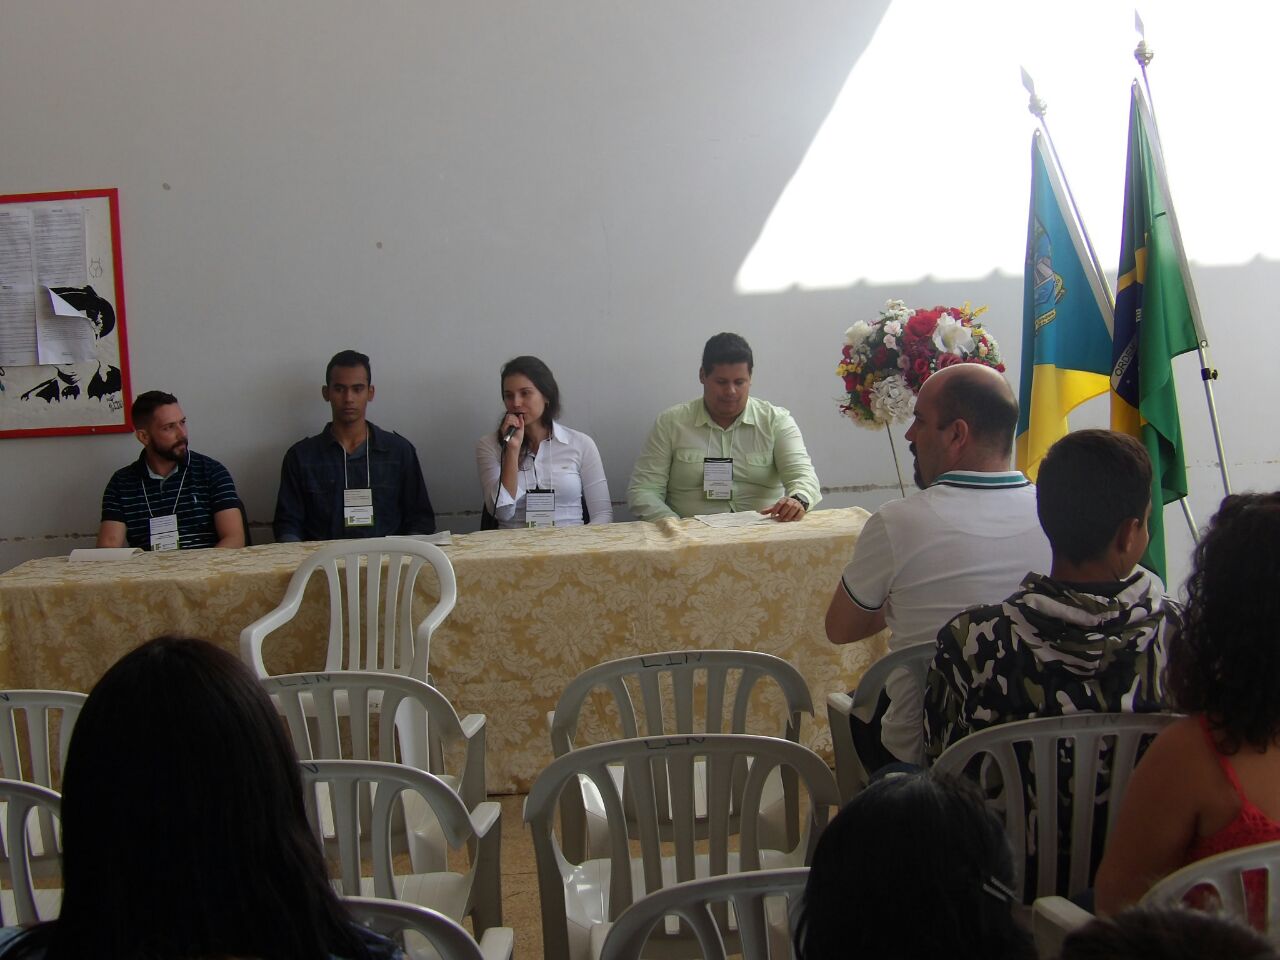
{"x": 443, "y": 185}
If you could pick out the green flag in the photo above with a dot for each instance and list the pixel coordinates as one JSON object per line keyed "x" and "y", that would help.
{"x": 1153, "y": 324}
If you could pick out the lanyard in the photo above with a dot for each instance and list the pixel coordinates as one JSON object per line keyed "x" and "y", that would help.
{"x": 147, "y": 500}
{"x": 368, "y": 464}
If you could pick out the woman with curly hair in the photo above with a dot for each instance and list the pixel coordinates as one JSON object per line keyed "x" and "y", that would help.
{"x": 1211, "y": 782}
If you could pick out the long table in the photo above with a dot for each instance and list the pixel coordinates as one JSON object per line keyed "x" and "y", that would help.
{"x": 535, "y": 608}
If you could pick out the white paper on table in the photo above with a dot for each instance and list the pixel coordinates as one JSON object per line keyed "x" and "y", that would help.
{"x": 441, "y": 538}
{"x": 63, "y": 333}
{"x": 745, "y": 518}
{"x": 104, "y": 553}
{"x": 61, "y": 257}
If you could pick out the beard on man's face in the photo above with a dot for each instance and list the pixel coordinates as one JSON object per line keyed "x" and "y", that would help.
{"x": 915, "y": 468}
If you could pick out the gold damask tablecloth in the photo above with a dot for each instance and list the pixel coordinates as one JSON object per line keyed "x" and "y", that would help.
{"x": 535, "y": 608}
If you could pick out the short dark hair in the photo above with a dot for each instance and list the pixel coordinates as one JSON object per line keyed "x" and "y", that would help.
{"x": 910, "y": 847}
{"x": 1166, "y": 933}
{"x": 348, "y": 358}
{"x": 726, "y": 348}
{"x": 184, "y": 831}
{"x": 1225, "y": 662}
{"x": 1090, "y": 482}
{"x": 542, "y": 378}
{"x": 985, "y": 403}
{"x": 146, "y": 404}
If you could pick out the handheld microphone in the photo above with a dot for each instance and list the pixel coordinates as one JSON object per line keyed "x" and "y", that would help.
{"x": 511, "y": 432}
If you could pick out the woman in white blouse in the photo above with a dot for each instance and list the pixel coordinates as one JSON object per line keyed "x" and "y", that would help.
{"x": 535, "y": 471}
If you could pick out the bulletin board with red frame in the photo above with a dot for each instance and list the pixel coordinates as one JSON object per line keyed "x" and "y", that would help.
{"x": 90, "y": 394}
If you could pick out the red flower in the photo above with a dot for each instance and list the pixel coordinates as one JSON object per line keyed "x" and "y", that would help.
{"x": 947, "y": 359}
{"x": 850, "y": 381}
{"x": 881, "y": 356}
{"x": 922, "y": 324}
{"x": 921, "y": 366}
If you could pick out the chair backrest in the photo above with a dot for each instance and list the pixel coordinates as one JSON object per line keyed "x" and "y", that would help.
{"x": 659, "y": 771}
{"x": 391, "y": 718}
{"x": 392, "y": 918}
{"x": 701, "y": 905}
{"x": 34, "y": 755}
{"x": 1038, "y": 747}
{"x": 20, "y": 799}
{"x": 850, "y": 770}
{"x": 703, "y": 695}
{"x": 1225, "y": 873}
{"x": 371, "y": 624}
{"x": 349, "y": 783}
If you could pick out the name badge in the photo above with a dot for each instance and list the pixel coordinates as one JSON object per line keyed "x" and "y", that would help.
{"x": 540, "y": 508}
{"x": 164, "y": 533}
{"x": 357, "y": 507}
{"x": 717, "y": 478}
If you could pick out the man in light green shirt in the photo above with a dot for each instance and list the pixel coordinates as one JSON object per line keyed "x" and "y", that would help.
{"x": 724, "y": 451}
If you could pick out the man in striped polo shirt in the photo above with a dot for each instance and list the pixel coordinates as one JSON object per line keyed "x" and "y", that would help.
{"x": 968, "y": 537}
{"x": 170, "y": 498}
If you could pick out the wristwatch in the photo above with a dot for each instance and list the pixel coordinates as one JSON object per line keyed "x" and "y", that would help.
{"x": 801, "y": 499}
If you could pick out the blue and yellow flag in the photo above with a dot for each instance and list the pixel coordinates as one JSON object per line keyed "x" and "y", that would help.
{"x": 1153, "y": 323}
{"x": 1066, "y": 318}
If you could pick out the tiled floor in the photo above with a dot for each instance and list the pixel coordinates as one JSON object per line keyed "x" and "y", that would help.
{"x": 520, "y": 909}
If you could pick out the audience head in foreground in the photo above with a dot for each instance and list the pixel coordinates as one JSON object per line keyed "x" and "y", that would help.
{"x": 1207, "y": 784}
{"x": 184, "y": 831}
{"x": 1090, "y": 636}
{"x": 1165, "y": 933}
{"x": 914, "y": 866}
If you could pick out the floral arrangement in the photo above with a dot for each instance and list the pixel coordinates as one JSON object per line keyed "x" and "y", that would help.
{"x": 886, "y": 361}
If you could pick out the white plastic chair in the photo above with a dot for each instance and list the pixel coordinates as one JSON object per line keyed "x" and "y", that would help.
{"x": 661, "y": 771}
{"x": 22, "y": 903}
{"x": 757, "y": 928}
{"x": 447, "y": 939}
{"x": 1044, "y": 738}
{"x": 36, "y": 755}
{"x": 680, "y": 692}
{"x": 350, "y": 785}
{"x": 425, "y": 732}
{"x": 1052, "y": 920}
{"x": 371, "y": 624}
{"x": 850, "y": 770}
{"x": 1225, "y": 873}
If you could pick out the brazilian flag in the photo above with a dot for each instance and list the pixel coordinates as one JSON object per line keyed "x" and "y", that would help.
{"x": 1066, "y": 318}
{"x": 1153, "y": 324}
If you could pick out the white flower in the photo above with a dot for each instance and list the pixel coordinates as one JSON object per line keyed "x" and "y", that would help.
{"x": 892, "y": 400}
{"x": 896, "y": 310}
{"x": 857, "y": 335}
{"x": 890, "y": 342}
{"x": 893, "y": 328}
{"x": 951, "y": 336}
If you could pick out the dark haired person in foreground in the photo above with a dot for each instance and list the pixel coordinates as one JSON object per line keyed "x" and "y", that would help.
{"x": 1211, "y": 781}
{"x": 1090, "y": 636}
{"x": 915, "y": 866}
{"x": 535, "y": 471}
{"x": 170, "y": 498}
{"x": 352, "y": 479}
{"x": 1165, "y": 933}
{"x": 183, "y": 828}
{"x": 725, "y": 451}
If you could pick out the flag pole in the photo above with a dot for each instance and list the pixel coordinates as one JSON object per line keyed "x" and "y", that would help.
{"x": 1038, "y": 107}
{"x": 1208, "y": 373}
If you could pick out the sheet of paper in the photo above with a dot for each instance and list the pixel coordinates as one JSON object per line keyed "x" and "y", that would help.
{"x": 63, "y": 333}
{"x": 17, "y": 326}
{"x": 441, "y": 538}
{"x": 60, "y": 247}
{"x": 746, "y": 518}
{"x": 104, "y": 553}
{"x": 17, "y": 289}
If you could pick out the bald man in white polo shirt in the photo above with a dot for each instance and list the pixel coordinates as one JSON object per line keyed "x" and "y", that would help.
{"x": 969, "y": 537}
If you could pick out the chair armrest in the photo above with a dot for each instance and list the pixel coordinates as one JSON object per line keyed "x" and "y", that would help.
{"x": 471, "y": 723}
{"x": 497, "y": 943}
{"x": 1052, "y": 918}
{"x": 484, "y": 816}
